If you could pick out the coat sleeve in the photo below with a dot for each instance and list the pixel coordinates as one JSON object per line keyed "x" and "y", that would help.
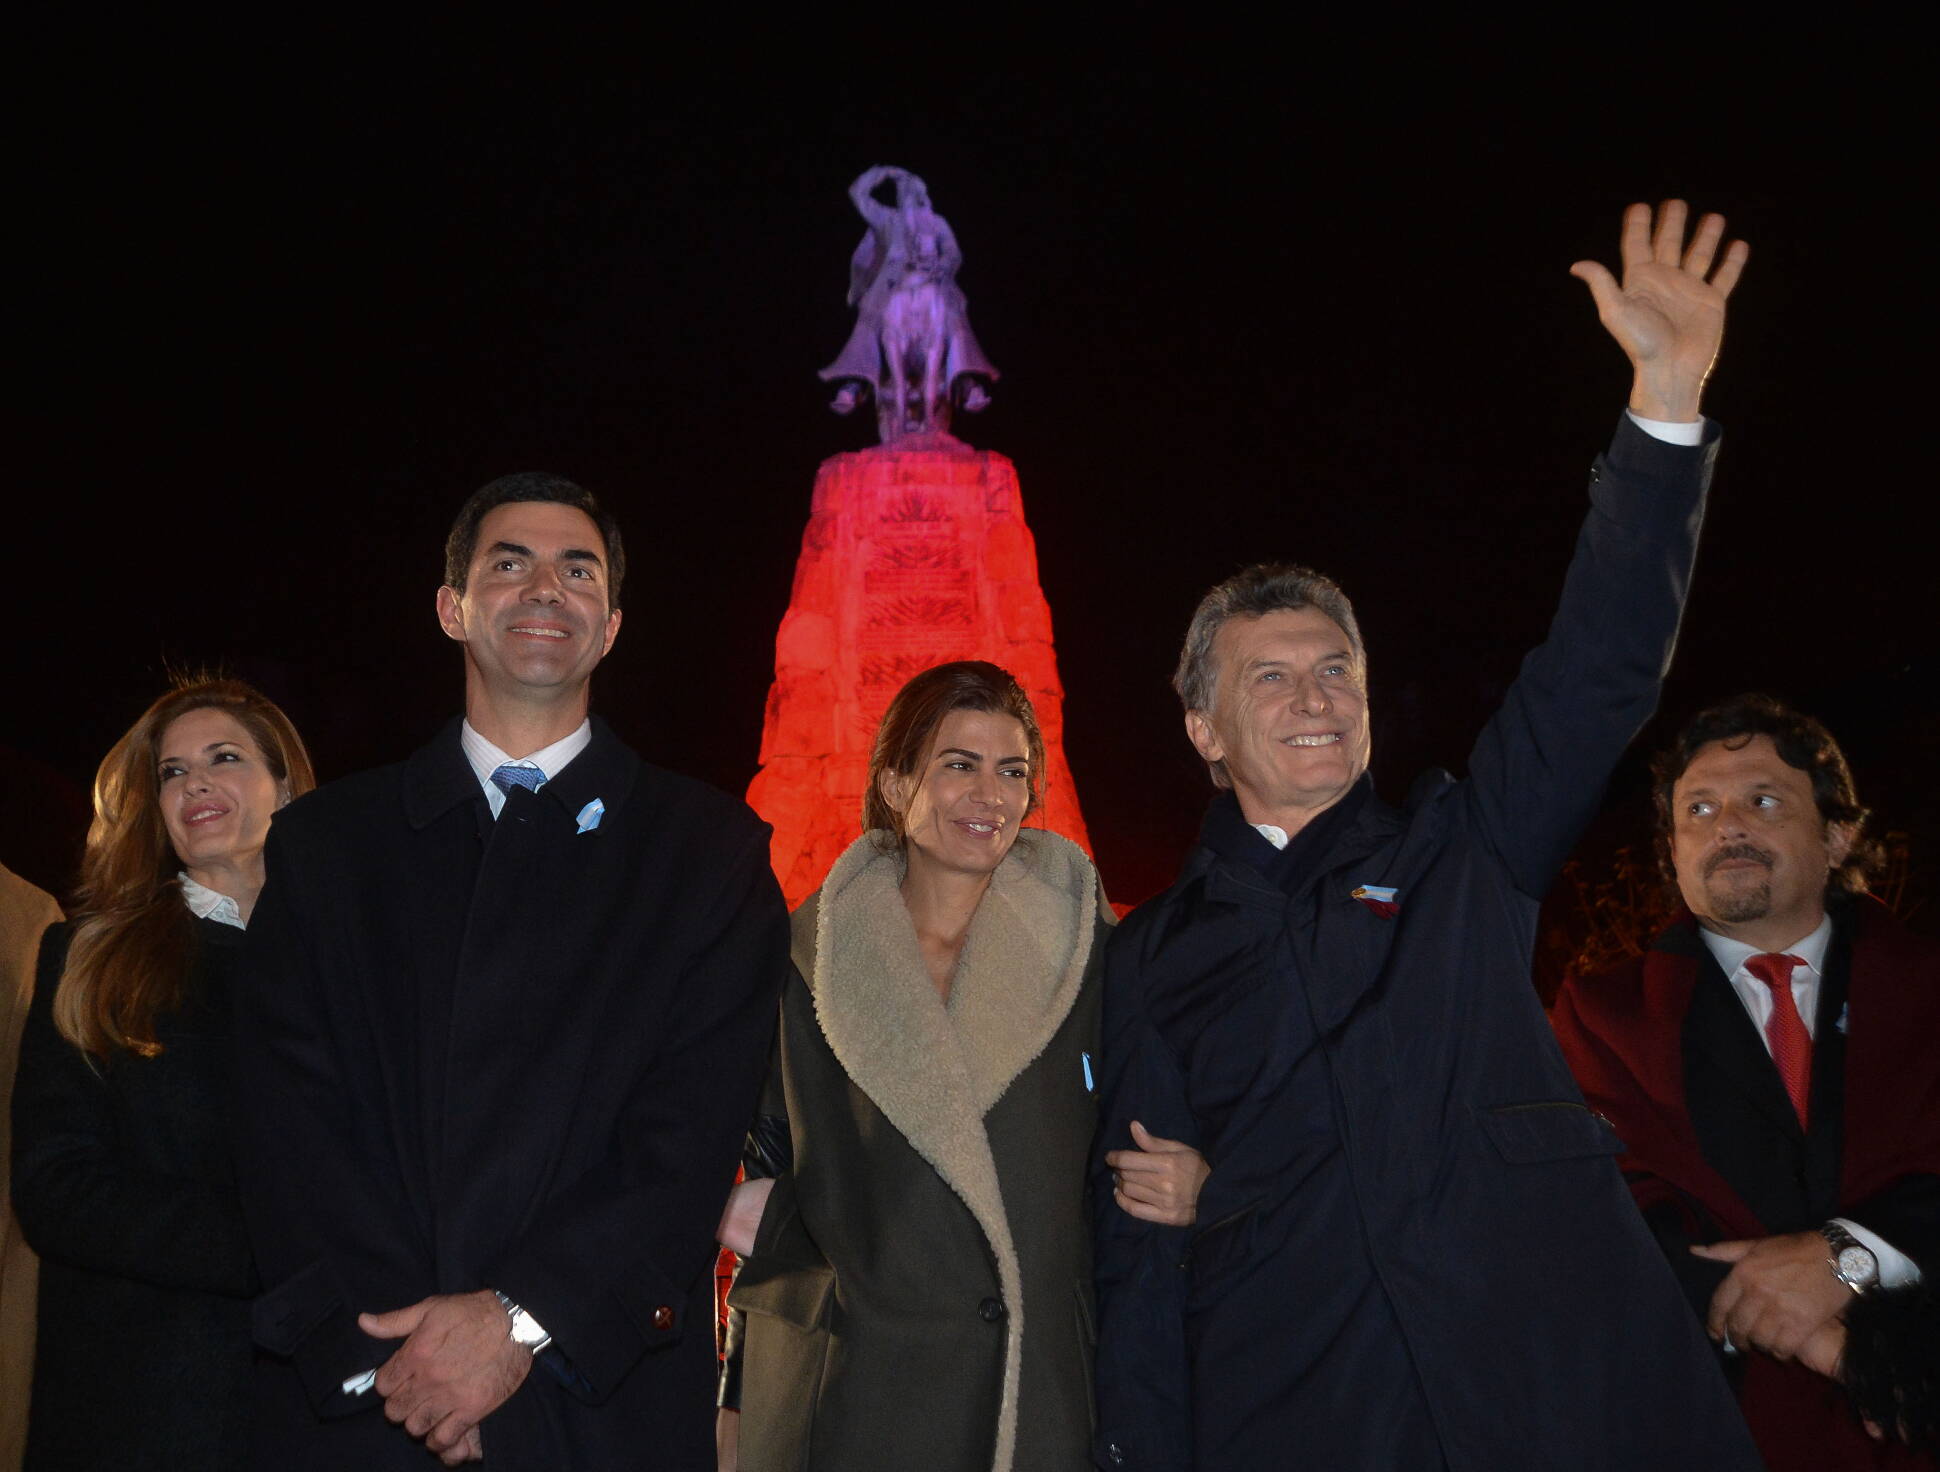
{"x": 768, "y": 1152}
{"x": 1538, "y": 769}
{"x": 1676, "y": 1219}
{"x": 327, "y": 1213}
{"x": 610, "y": 1266}
{"x": 83, "y": 1197}
{"x": 1143, "y": 1384}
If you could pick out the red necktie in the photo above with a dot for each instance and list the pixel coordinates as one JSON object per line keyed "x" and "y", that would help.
{"x": 1790, "y": 1043}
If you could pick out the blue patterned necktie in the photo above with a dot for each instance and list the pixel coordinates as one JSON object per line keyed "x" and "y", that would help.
{"x": 511, "y": 775}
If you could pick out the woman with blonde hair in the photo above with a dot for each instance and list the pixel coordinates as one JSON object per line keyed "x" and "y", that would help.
{"x": 121, "y": 1172}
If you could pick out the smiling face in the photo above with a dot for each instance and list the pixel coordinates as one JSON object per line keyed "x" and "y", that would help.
{"x": 961, "y": 807}
{"x": 217, "y": 794}
{"x": 1750, "y": 849}
{"x": 533, "y": 617}
{"x": 1289, "y": 717}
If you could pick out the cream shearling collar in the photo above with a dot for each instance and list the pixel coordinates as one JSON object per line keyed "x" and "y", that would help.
{"x": 933, "y": 1071}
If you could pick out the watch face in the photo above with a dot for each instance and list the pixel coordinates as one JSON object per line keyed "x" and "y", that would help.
{"x": 1856, "y": 1264}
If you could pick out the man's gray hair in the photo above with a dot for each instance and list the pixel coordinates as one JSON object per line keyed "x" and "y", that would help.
{"x": 1266, "y": 587}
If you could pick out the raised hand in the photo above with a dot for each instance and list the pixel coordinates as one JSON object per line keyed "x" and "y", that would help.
{"x": 1667, "y": 314}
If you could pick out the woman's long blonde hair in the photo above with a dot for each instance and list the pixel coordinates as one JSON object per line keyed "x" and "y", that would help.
{"x": 129, "y": 959}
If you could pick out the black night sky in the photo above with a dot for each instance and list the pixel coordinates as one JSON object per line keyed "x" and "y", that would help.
{"x": 283, "y": 308}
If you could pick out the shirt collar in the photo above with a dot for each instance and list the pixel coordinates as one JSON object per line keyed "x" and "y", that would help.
{"x": 1731, "y": 954}
{"x": 209, "y": 904}
{"x": 485, "y": 758}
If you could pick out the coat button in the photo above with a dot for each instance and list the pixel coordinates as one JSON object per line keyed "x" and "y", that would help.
{"x": 663, "y": 1318}
{"x": 990, "y": 1310}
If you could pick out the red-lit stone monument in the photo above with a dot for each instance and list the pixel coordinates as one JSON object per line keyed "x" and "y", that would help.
{"x": 916, "y": 550}
{"x": 915, "y": 553}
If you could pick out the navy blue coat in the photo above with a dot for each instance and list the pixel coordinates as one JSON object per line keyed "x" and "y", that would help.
{"x": 510, "y": 1055}
{"x": 1520, "y": 1293}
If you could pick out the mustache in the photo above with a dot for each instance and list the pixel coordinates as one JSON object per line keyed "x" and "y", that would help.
{"x": 1736, "y": 851}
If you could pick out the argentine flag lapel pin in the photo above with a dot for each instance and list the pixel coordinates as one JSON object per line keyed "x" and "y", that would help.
{"x": 1377, "y": 898}
{"x": 590, "y": 815}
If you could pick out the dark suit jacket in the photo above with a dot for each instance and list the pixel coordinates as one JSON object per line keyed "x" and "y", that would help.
{"x": 1524, "y": 1295}
{"x": 505, "y": 1055}
{"x": 1664, "y": 1048}
{"x": 123, "y": 1181}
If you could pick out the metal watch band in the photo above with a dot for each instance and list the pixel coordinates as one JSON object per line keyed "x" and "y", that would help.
{"x": 525, "y": 1330}
{"x": 1841, "y": 1241}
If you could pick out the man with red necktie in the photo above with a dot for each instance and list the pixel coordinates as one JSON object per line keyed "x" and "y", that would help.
{"x": 1772, "y": 1068}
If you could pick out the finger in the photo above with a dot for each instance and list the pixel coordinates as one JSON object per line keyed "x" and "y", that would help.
{"x": 1603, "y": 286}
{"x": 1722, "y": 1303}
{"x": 1165, "y": 1217}
{"x": 1669, "y": 242}
{"x": 393, "y": 1375}
{"x": 1704, "y": 245}
{"x": 399, "y": 1405}
{"x": 1735, "y": 256}
{"x": 450, "y": 1434}
{"x": 425, "y": 1415}
{"x": 396, "y": 1324}
{"x": 1635, "y": 244}
{"x": 1138, "y": 1160}
{"x": 1725, "y": 1251}
{"x": 1146, "y": 1140}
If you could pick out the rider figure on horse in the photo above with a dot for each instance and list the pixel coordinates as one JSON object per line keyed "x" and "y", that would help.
{"x": 909, "y": 314}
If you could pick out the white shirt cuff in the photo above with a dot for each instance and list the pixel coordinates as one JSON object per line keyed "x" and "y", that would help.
{"x": 1671, "y": 431}
{"x": 1896, "y": 1269}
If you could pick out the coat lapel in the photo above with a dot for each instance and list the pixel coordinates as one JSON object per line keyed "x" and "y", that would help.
{"x": 935, "y": 1072}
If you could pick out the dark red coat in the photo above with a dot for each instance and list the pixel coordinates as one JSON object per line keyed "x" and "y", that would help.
{"x": 1632, "y": 1037}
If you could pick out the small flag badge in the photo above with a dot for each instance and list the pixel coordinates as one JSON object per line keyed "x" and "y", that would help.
{"x": 1378, "y": 898}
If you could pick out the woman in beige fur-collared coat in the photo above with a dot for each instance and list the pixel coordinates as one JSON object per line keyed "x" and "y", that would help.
{"x": 918, "y": 1294}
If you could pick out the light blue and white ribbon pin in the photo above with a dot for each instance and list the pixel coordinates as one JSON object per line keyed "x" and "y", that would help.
{"x": 590, "y": 815}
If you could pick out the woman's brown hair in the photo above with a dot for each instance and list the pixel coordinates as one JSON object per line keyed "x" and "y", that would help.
{"x": 909, "y": 726}
{"x": 129, "y": 959}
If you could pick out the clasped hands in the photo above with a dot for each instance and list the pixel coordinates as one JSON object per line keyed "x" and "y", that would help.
{"x": 1780, "y": 1298}
{"x": 456, "y": 1366}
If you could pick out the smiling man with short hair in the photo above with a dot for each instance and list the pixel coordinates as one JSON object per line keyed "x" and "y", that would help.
{"x": 511, "y": 1004}
{"x": 1413, "y": 1251}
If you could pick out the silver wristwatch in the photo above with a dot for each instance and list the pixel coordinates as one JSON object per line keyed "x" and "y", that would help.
{"x": 1852, "y": 1261}
{"x": 526, "y": 1330}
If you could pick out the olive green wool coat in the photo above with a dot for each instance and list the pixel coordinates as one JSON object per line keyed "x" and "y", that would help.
{"x": 919, "y": 1294}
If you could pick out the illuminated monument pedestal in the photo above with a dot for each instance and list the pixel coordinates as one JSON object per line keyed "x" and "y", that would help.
{"x": 916, "y": 553}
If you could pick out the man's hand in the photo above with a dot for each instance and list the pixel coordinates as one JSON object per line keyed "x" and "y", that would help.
{"x": 456, "y": 1366}
{"x": 1665, "y": 314}
{"x": 1780, "y": 1293}
{"x": 1160, "y": 1180}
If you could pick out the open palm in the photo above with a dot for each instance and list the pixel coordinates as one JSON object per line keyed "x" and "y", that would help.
{"x": 1667, "y": 313}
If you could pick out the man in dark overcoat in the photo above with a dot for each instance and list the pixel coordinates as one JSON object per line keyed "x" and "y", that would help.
{"x": 1414, "y": 1250}
{"x": 509, "y": 1007}
{"x": 1770, "y": 1065}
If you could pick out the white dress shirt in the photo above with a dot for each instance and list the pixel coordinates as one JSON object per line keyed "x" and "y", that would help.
{"x": 550, "y": 760}
{"x": 1896, "y": 1269}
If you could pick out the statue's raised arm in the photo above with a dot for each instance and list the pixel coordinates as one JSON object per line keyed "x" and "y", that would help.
{"x": 911, "y": 347}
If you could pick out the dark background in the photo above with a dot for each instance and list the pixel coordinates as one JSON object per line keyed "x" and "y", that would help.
{"x": 285, "y": 303}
